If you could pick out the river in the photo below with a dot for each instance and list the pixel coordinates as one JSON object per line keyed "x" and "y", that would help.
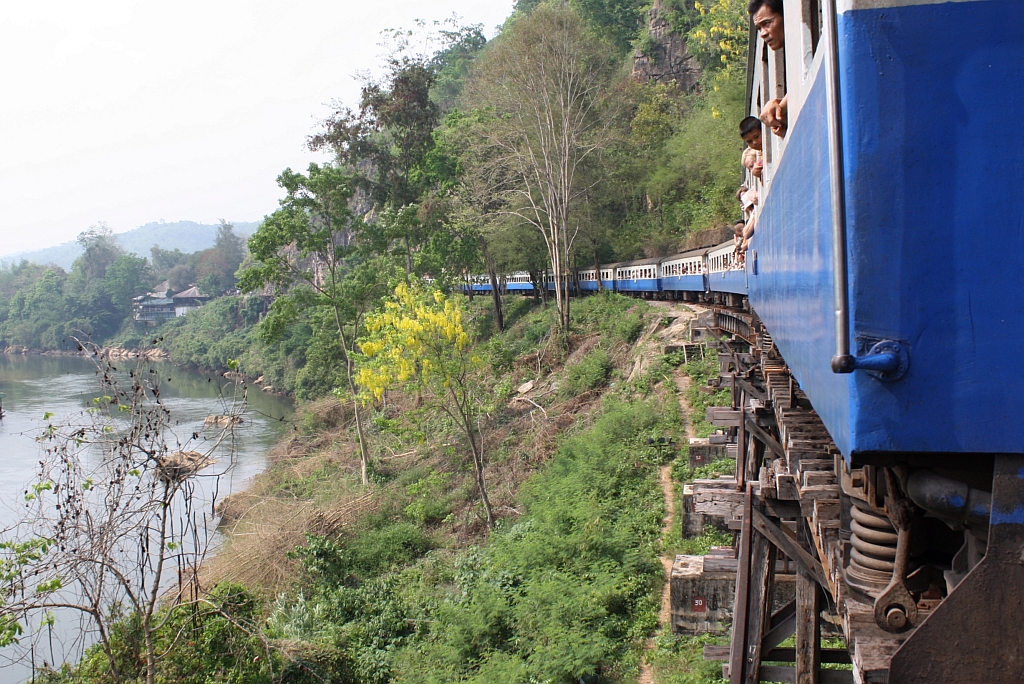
{"x": 65, "y": 385}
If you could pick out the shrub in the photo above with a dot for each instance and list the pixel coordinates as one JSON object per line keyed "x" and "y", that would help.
{"x": 628, "y": 329}
{"x": 330, "y": 563}
{"x": 591, "y": 372}
{"x": 569, "y": 591}
{"x": 682, "y": 472}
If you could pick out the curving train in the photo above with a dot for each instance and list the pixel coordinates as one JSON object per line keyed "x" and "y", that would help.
{"x": 877, "y": 332}
{"x": 683, "y": 276}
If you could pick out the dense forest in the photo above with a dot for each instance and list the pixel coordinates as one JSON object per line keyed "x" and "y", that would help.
{"x": 46, "y": 308}
{"x": 421, "y": 525}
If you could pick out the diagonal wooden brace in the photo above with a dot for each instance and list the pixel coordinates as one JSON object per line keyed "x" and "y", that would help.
{"x": 789, "y": 546}
{"x": 764, "y": 437}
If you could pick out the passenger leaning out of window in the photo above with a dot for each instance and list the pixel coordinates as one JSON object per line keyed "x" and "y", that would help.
{"x": 750, "y": 131}
{"x": 740, "y": 242}
{"x": 752, "y": 162}
{"x": 768, "y": 20}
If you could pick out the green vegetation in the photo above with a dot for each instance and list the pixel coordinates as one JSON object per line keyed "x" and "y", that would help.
{"x": 591, "y": 372}
{"x": 566, "y": 591}
{"x": 683, "y": 473}
{"x": 222, "y": 633}
{"x": 700, "y": 371}
{"x": 679, "y": 659}
{"x": 46, "y": 308}
{"x": 378, "y": 547}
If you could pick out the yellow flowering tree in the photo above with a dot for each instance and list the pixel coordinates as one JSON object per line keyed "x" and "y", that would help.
{"x": 419, "y": 340}
{"x": 720, "y": 31}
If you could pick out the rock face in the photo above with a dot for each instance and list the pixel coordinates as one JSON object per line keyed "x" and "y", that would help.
{"x": 669, "y": 60}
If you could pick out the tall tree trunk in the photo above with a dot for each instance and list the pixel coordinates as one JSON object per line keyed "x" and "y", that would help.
{"x": 499, "y": 315}
{"x": 478, "y": 467}
{"x": 408, "y": 256}
{"x": 364, "y": 453}
{"x": 597, "y": 270}
{"x": 540, "y": 292}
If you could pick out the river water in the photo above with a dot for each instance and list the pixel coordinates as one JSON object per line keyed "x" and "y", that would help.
{"x": 65, "y": 386}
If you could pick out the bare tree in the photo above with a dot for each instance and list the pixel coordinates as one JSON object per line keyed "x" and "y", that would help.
{"x": 541, "y": 96}
{"x": 113, "y": 524}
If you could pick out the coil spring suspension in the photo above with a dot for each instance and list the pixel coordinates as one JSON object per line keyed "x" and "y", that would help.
{"x": 873, "y": 556}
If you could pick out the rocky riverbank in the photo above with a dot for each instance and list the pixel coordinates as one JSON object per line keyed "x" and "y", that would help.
{"x": 111, "y": 352}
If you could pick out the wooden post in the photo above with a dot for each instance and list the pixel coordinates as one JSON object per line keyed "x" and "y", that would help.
{"x": 755, "y": 455}
{"x": 762, "y": 578}
{"x": 808, "y": 620}
{"x": 738, "y": 645}
{"x": 741, "y": 442}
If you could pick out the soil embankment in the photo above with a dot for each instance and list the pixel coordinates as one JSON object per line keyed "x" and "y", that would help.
{"x": 675, "y": 334}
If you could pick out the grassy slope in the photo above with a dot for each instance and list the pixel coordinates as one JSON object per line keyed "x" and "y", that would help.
{"x": 401, "y": 581}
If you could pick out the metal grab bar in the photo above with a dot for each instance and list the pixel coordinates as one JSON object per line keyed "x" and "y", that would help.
{"x": 886, "y": 360}
{"x": 843, "y": 361}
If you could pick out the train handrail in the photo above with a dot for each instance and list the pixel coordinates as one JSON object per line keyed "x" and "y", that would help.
{"x": 843, "y": 361}
{"x": 887, "y": 359}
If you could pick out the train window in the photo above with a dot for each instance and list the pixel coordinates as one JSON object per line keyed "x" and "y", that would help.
{"x": 810, "y": 33}
{"x": 766, "y": 137}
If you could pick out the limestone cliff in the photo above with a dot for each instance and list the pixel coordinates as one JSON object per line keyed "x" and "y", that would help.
{"x": 665, "y": 58}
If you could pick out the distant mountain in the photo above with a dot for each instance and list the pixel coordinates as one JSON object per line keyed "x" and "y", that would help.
{"x": 188, "y": 236}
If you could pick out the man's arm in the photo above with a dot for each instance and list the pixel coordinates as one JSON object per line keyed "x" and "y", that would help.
{"x": 774, "y": 115}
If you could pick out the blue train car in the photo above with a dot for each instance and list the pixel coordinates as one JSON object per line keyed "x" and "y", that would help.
{"x": 726, "y": 271}
{"x": 886, "y": 266}
{"x": 686, "y": 272}
{"x": 587, "y": 280}
{"x": 519, "y": 282}
{"x": 638, "y": 276}
{"x": 932, "y": 222}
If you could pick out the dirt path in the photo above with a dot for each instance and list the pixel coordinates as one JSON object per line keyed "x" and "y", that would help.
{"x": 669, "y": 491}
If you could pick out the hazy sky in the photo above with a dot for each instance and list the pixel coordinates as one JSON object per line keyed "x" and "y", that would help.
{"x": 130, "y": 111}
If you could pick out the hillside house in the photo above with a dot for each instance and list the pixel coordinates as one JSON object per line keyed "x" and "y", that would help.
{"x": 160, "y": 305}
{"x": 188, "y": 300}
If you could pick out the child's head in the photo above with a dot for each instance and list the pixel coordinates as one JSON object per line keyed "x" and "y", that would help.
{"x": 748, "y": 158}
{"x": 737, "y": 228}
{"x": 750, "y": 131}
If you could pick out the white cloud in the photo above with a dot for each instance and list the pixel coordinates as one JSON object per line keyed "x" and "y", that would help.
{"x": 130, "y": 111}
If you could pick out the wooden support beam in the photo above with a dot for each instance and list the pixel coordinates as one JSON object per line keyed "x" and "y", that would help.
{"x": 781, "y": 673}
{"x": 808, "y": 628}
{"x": 741, "y": 443}
{"x": 838, "y": 656}
{"x": 789, "y": 546}
{"x": 779, "y": 633}
{"x": 755, "y": 456}
{"x": 738, "y": 645}
{"x": 762, "y": 577}
{"x": 764, "y": 437}
{"x": 750, "y": 389}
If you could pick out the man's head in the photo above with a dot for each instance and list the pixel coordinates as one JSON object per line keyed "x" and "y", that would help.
{"x": 750, "y": 131}
{"x": 767, "y": 16}
{"x": 737, "y": 228}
